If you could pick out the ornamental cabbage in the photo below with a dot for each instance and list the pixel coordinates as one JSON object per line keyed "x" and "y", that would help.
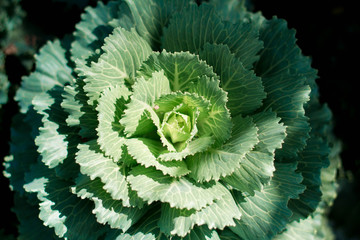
{"x": 171, "y": 120}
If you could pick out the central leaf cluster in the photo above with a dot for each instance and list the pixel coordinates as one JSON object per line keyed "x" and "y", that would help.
{"x": 177, "y": 127}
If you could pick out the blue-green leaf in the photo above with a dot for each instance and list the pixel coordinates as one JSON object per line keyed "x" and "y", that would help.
{"x": 220, "y": 162}
{"x": 230, "y": 10}
{"x": 266, "y": 213}
{"x": 51, "y": 70}
{"x": 151, "y": 16}
{"x": 218, "y": 123}
{"x": 30, "y": 226}
{"x": 192, "y": 28}
{"x": 123, "y": 54}
{"x": 92, "y": 29}
{"x": 69, "y": 215}
{"x": 181, "y": 68}
{"x": 244, "y": 88}
{"x": 257, "y": 167}
{"x": 311, "y": 161}
{"x": 284, "y": 72}
{"x": 23, "y": 150}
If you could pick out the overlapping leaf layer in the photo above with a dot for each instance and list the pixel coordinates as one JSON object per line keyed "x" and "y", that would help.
{"x": 169, "y": 121}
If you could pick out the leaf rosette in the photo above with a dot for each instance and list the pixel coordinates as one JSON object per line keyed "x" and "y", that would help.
{"x": 170, "y": 120}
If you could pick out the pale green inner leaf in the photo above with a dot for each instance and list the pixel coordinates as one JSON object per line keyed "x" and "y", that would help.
{"x": 218, "y": 123}
{"x": 123, "y": 54}
{"x": 217, "y": 215}
{"x": 145, "y": 93}
{"x": 181, "y": 68}
{"x": 152, "y": 185}
{"x": 110, "y": 108}
{"x": 220, "y": 162}
{"x": 176, "y": 137}
{"x": 146, "y": 151}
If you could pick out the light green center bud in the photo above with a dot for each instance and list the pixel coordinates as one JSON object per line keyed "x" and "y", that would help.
{"x": 177, "y": 127}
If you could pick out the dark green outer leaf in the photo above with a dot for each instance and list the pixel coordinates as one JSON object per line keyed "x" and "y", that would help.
{"x": 4, "y": 82}
{"x": 192, "y": 28}
{"x": 51, "y": 70}
{"x": 244, "y": 89}
{"x": 80, "y": 113}
{"x": 266, "y": 213}
{"x": 311, "y": 160}
{"x": 151, "y": 16}
{"x": 230, "y": 10}
{"x": 93, "y": 28}
{"x": 285, "y": 73}
{"x": 23, "y": 150}
{"x": 31, "y": 227}
{"x": 69, "y": 215}
{"x": 56, "y": 141}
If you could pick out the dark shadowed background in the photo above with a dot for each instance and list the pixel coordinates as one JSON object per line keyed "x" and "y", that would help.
{"x": 328, "y": 31}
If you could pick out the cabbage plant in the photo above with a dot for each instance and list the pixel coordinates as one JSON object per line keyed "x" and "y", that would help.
{"x": 171, "y": 120}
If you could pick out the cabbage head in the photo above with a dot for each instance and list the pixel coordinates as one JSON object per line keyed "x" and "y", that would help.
{"x": 171, "y": 120}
